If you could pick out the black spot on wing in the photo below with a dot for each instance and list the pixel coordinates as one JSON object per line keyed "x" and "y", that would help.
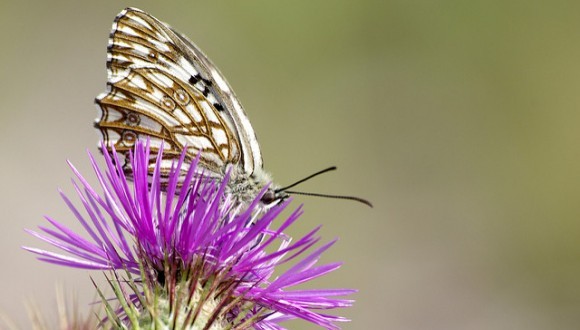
{"x": 218, "y": 107}
{"x": 194, "y": 79}
{"x": 207, "y": 82}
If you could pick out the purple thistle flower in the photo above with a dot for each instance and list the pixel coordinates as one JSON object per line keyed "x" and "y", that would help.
{"x": 201, "y": 256}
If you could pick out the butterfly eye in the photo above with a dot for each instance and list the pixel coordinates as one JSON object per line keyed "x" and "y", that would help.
{"x": 181, "y": 96}
{"x": 269, "y": 197}
{"x": 167, "y": 103}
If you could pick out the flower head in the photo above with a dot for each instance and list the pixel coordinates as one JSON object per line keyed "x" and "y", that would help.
{"x": 202, "y": 258}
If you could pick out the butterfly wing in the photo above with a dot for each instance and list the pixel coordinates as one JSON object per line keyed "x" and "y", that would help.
{"x": 162, "y": 88}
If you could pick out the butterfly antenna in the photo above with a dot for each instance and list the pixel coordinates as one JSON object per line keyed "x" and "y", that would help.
{"x": 332, "y": 168}
{"x": 351, "y": 198}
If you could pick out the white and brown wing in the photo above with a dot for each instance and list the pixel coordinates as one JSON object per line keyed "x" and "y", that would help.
{"x": 163, "y": 89}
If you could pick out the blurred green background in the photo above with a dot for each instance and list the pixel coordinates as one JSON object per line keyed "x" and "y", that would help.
{"x": 458, "y": 119}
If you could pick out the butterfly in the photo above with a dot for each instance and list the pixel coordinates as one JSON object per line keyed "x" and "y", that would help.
{"x": 163, "y": 89}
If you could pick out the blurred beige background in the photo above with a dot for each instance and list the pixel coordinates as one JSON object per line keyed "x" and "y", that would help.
{"x": 458, "y": 119}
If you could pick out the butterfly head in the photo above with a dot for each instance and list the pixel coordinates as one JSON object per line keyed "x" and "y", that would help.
{"x": 245, "y": 187}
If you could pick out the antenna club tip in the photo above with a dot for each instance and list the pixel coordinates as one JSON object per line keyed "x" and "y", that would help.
{"x": 363, "y": 201}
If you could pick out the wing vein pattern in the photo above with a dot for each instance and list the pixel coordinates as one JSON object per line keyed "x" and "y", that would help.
{"x": 162, "y": 88}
